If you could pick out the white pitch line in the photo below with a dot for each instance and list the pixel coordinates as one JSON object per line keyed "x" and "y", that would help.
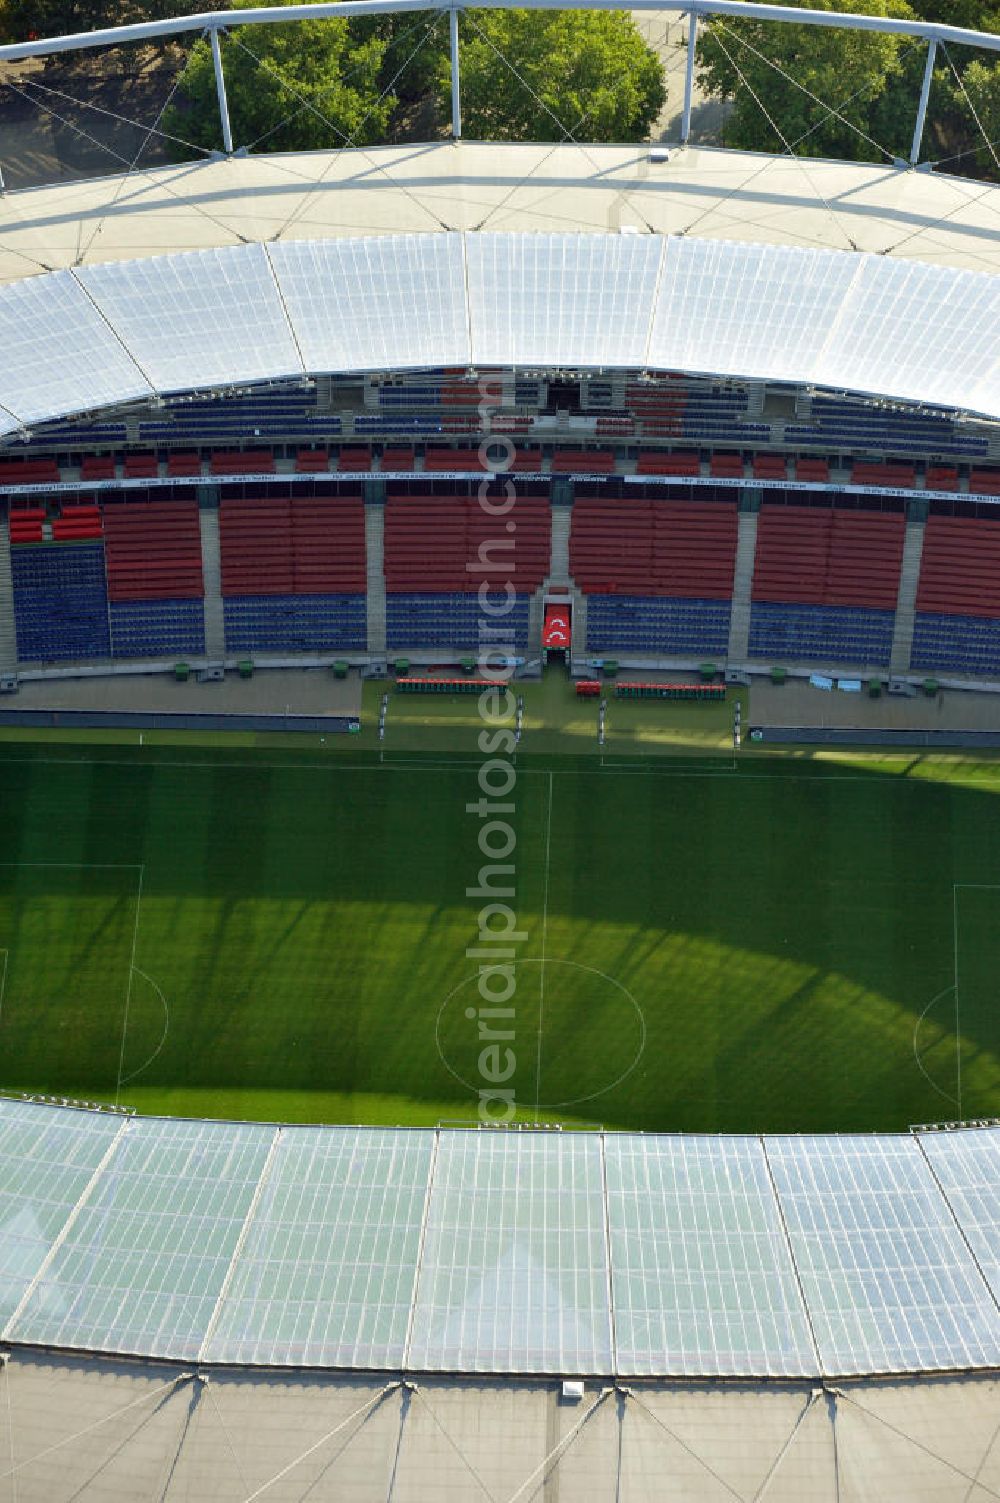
{"x": 955, "y": 888}
{"x": 654, "y": 766}
{"x": 107, "y": 866}
{"x": 128, "y": 989}
{"x": 541, "y": 968}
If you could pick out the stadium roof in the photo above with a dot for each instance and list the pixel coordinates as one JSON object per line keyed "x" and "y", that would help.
{"x": 529, "y": 187}
{"x": 522, "y": 1252}
{"x": 97, "y": 1428}
{"x": 75, "y": 1428}
{"x": 103, "y": 335}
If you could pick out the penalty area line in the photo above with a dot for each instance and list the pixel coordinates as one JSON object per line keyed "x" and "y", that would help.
{"x": 128, "y": 987}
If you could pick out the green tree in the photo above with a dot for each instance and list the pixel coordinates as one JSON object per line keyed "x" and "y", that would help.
{"x": 586, "y": 71}
{"x": 24, "y": 19}
{"x": 982, "y": 85}
{"x": 975, "y": 15}
{"x": 848, "y": 70}
{"x": 302, "y": 86}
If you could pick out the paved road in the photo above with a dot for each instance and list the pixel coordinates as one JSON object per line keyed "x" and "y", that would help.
{"x": 666, "y": 33}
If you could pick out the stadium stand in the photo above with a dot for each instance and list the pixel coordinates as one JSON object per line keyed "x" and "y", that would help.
{"x": 140, "y": 466}
{"x": 658, "y": 574}
{"x": 154, "y": 571}
{"x": 431, "y": 539}
{"x": 243, "y": 462}
{"x": 658, "y": 462}
{"x": 97, "y": 467}
{"x": 293, "y": 573}
{"x": 984, "y": 482}
{"x": 839, "y": 424}
{"x": 397, "y": 459}
{"x": 825, "y": 584}
{"x": 957, "y": 623}
{"x": 355, "y": 459}
{"x": 28, "y": 471}
{"x": 60, "y": 601}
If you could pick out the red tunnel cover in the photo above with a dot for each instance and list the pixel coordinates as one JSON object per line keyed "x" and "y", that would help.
{"x": 557, "y": 629}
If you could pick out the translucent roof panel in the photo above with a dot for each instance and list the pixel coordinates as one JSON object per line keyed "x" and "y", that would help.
{"x": 702, "y": 1277}
{"x": 889, "y": 1283}
{"x": 47, "y": 1159}
{"x": 208, "y": 318}
{"x": 391, "y": 302}
{"x": 59, "y": 356}
{"x": 731, "y": 309}
{"x": 917, "y": 331}
{"x": 910, "y": 331}
{"x": 967, "y": 1165}
{"x": 569, "y": 300}
{"x": 328, "y": 1268}
{"x": 514, "y": 1272}
{"x": 143, "y": 1264}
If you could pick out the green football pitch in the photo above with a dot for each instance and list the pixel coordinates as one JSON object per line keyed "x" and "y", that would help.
{"x": 777, "y": 943}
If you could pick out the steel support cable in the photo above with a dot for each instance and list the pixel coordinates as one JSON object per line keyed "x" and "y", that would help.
{"x": 347, "y": 140}
{"x": 568, "y": 135}
{"x": 150, "y": 132}
{"x": 344, "y": 78}
{"x": 788, "y": 150}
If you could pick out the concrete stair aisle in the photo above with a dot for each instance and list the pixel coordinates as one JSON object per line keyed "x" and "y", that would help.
{"x": 739, "y": 620}
{"x": 536, "y": 614}
{"x": 559, "y": 578}
{"x": 562, "y": 517}
{"x": 211, "y": 567}
{"x": 909, "y": 575}
{"x": 579, "y": 623}
{"x": 375, "y": 576}
{"x": 8, "y": 633}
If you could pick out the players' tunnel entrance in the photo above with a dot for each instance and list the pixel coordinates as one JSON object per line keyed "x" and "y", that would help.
{"x": 557, "y": 630}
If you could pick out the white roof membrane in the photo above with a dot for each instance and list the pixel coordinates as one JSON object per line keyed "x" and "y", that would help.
{"x": 724, "y": 307}
{"x": 903, "y": 330}
{"x": 890, "y": 1284}
{"x": 571, "y": 300}
{"x": 967, "y": 1167}
{"x": 327, "y": 1271}
{"x": 703, "y": 1280}
{"x": 59, "y": 355}
{"x": 208, "y": 318}
{"x": 925, "y": 333}
{"x": 383, "y": 303}
{"x": 514, "y": 1272}
{"x": 517, "y": 1252}
{"x": 143, "y": 1264}
{"x": 47, "y": 1159}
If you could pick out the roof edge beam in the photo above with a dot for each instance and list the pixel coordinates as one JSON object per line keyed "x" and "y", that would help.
{"x": 266, "y": 15}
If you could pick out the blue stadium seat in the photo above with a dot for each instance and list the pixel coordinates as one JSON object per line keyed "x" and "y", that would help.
{"x": 821, "y": 633}
{"x": 656, "y": 624}
{"x": 60, "y": 602}
{"x": 427, "y": 620}
{"x": 156, "y": 628}
{"x": 960, "y": 644}
{"x": 295, "y": 623}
